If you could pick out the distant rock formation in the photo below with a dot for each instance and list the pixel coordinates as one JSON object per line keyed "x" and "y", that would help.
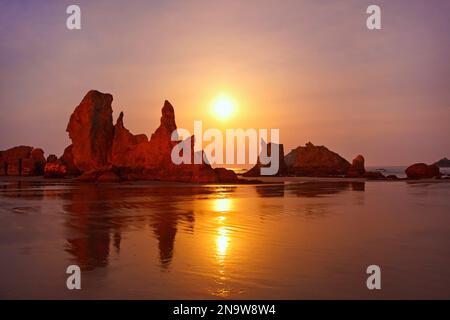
{"x": 267, "y": 149}
{"x": 422, "y": 171}
{"x": 22, "y": 161}
{"x": 312, "y": 160}
{"x": 443, "y": 163}
{"x": 357, "y": 168}
{"x": 101, "y": 151}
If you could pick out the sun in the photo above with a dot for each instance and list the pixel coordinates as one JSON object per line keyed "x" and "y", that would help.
{"x": 223, "y": 107}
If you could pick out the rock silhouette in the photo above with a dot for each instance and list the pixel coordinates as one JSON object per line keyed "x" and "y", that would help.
{"x": 357, "y": 168}
{"x": 423, "y": 171}
{"x": 101, "y": 151}
{"x": 267, "y": 149}
{"x": 312, "y": 160}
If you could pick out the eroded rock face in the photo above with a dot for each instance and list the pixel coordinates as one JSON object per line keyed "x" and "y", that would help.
{"x": 102, "y": 152}
{"x": 423, "y": 171}
{"x": 22, "y": 161}
{"x": 256, "y": 170}
{"x": 91, "y": 130}
{"x": 312, "y": 160}
{"x": 125, "y": 152}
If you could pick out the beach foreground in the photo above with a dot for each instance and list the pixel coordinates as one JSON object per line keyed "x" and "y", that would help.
{"x": 298, "y": 240}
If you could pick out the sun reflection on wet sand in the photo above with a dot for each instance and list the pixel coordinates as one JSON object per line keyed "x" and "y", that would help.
{"x": 222, "y": 244}
{"x": 222, "y": 205}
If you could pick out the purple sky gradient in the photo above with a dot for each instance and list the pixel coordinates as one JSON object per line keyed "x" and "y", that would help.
{"x": 310, "y": 68}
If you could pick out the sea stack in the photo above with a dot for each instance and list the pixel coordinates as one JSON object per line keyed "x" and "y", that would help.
{"x": 318, "y": 161}
{"x": 101, "y": 151}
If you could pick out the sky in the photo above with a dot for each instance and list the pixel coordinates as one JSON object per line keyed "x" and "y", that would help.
{"x": 309, "y": 68}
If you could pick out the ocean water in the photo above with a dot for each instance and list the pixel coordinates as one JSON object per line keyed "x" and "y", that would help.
{"x": 177, "y": 241}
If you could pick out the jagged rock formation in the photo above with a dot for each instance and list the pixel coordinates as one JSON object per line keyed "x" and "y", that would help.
{"x": 423, "y": 171}
{"x": 267, "y": 149}
{"x": 22, "y": 161}
{"x": 318, "y": 161}
{"x": 101, "y": 151}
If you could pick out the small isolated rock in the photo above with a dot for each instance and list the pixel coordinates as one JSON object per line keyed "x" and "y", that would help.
{"x": 423, "y": 171}
{"x": 54, "y": 170}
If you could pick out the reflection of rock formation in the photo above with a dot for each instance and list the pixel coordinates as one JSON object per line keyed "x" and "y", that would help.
{"x": 317, "y": 189}
{"x": 20, "y": 189}
{"x": 91, "y": 222}
{"x": 309, "y": 206}
{"x": 165, "y": 228}
{"x": 309, "y": 189}
{"x": 98, "y": 215}
{"x": 164, "y": 225}
{"x": 267, "y": 191}
{"x": 358, "y": 186}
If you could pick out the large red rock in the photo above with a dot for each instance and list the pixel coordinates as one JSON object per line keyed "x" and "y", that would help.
{"x": 422, "y": 171}
{"x": 312, "y": 160}
{"x": 91, "y": 129}
{"x": 100, "y": 149}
